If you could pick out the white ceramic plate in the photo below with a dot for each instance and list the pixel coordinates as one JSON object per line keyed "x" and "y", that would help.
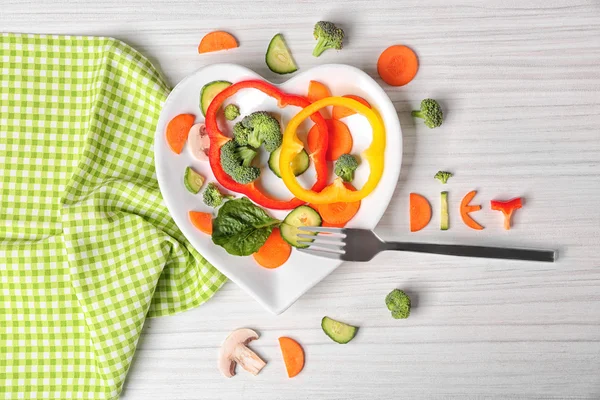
{"x": 279, "y": 288}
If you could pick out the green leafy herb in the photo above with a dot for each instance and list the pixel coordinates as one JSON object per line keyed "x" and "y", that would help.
{"x": 241, "y": 227}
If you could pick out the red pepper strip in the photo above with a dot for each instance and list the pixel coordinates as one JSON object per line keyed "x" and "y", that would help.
{"x": 218, "y": 139}
{"x": 507, "y": 208}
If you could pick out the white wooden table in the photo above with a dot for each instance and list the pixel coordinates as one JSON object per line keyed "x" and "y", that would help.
{"x": 520, "y": 85}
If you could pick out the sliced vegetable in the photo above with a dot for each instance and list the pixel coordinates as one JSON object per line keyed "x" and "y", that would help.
{"x": 338, "y": 214}
{"x": 274, "y": 253}
{"x": 343, "y": 112}
{"x": 198, "y": 142}
{"x": 317, "y": 91}
{"x": 340, "y": 139}
{"x": 209, "y": 92}
{"x": 398, "y": 303}
{"x": 234, "y": 351}
{"x": 299, "y": 165}
{"x": 215, "y": 41}
{"x": 242, "y": 227}
{"x": 218, "y": 139}
{"x": 231, "y": 112}
{"x": 420, "y": 212}
{"x": 279, "y": 58}
{"x": 507, "y": 208}
{"x": 177, "y": 131}
{"x": 445, "y": 218}
{"x": 193, "y": 181}
{"x": 466, "y": 208}
{"x": 397, "y": 65}
{"x": 336, "y": 192}
{"x": 443, "y": 176}
{"x": 202, "y": 221}
{"x": 293, "y": 356}
{"x": 300, "y": 216}
{"x": 338, "y": 331}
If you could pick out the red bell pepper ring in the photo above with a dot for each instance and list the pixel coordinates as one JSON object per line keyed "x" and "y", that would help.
{"x": 507, "y": 208}
{"x": 218, "y": 139}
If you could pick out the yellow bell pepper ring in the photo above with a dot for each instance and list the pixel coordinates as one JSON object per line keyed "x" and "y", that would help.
{"x": 336, "y": 192}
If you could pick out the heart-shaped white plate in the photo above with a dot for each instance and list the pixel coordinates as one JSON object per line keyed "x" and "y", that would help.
{"x": 275, "y": 289}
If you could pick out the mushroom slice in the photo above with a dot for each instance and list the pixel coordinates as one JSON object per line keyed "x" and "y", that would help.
{"x": 234, "y": 351}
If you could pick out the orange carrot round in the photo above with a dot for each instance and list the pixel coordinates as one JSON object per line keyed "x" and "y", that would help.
{"x": 274, "y": 252}
{"x": 466, "y": 208}
{"x": 293, "y": 356}
{"x": 397, "y": 65}
{"x": 340, "y": 139}
{"x": 337, "y": 215}
{"x": 202, "y": 221}
{"x": 215, "y": 41}
{"x": 420, "y": 212}
{"x": 342, "y": 112}
{"x": 177, "y": 131}
{"x": 317, "y": 91}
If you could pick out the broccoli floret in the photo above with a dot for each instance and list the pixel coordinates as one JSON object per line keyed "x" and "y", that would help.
{"x": 264, "y": 130}
{"x": 345, "y": 167}
{"x": 398, "y": 303}
{"x": 246, "y": 155}
{"x": 232, "y": 112}
{"x": 213, "y": 197}
{"x": 328, "y": 36}
{"x": 234, "y": 160}
{"x": 431, "y": 112}
{"x": 443, "y": 176}
{"x": 240, "y": 134}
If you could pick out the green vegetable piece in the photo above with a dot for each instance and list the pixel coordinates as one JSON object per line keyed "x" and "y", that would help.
{"x": 328, "y": 36}
{"x": 431, "y": 112}
{"x": 231, "y": 112}
{"x": 213, "y": 197}
{"x": 398, "y": 303}
{"x": 241, "y": 227}
{"x": 192, "y": 180}
{"x": 208, "y": 93}
{"x": 265, "y": 129}
{"x": 279, "y": 58}
{"x": 240, "y": 134}
{"x": 345, "y": 167}
{"x": 445, "y": 220}
{"x": 299, "y": 164}
{"x": 299, "y": 216}
{"x": 338, "y": 331}
{"x": 236, "y": 161}
{"x": 443, "y": 176}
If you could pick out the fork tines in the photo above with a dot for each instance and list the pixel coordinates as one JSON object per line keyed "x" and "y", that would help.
{"x": 323, "y": 242}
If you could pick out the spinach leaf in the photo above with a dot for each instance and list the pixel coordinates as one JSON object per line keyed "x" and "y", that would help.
{"x": 241, "y": 227}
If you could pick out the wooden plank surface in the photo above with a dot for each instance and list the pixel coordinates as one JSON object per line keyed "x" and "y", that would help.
{"x": 520, "y": 85}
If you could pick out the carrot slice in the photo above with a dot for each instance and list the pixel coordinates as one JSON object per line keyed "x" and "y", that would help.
{"x": 177, "y": 131}
{"x": 340, "y": 139}
{"x": 274, "y": 252}
{"x": 317, "y": 91}
{"x": 466, "y": 208}
{"x": 397, "y": 65}
{"x": 420, "y": 212}
{"x": 202, "y": 221}
{"x": 342, "y": 112}
{"x": 337, "y": 215}
{"x": 293, "y": 356}
{"x": 215, "y": 41}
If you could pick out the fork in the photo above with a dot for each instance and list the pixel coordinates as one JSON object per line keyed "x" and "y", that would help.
{"x": 350, "y": 244}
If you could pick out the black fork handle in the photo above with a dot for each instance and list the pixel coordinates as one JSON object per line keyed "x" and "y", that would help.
{"x": 474, "y": 251}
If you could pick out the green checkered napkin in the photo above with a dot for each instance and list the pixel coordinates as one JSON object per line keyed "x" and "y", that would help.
{"x": 87, "y": 247}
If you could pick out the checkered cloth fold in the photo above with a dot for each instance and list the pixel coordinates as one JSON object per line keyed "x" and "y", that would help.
{"x": 87, "y": 247}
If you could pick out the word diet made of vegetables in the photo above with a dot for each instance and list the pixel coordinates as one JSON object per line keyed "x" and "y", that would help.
{"x": 243, "y": 227}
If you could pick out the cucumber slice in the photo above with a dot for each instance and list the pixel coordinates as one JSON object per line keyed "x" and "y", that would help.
{"x": 299, "y": 165}
{"x": 208, "y": 93}
{"x": 444, "y": 223}
{"x": 338, "y": 331}
{"x": 193, "y": 181}
{"x": 278, "y": 58}
{"x": 299, "y": 216}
